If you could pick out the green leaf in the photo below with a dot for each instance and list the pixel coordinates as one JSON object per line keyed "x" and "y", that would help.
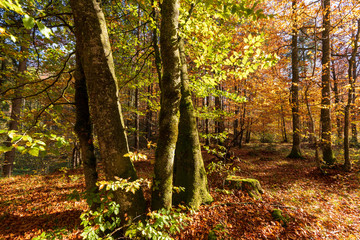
{"x": 20, "y": 149}
{"x": 43, "y": 29}
{"x": 4, "y": 149}
{"x": 28, "y": 22}
{"x": 15, "y": 138}
{"x": 34, "y": 151}
{"x": 40, "y": 142}
{"x": 27, "y": 138}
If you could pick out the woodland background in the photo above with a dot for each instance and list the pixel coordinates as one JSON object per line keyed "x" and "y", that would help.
{"x": 268, "y": 80}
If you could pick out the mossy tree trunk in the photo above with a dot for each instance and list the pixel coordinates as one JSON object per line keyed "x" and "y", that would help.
{"x": 189, "y": 170}
{"x": 83, "y": 129}
{"x": 169, "y": 102}
{"x": 94, "y": 49}
{"x": 296, "y": 150}
{"x": 325, "y": 117}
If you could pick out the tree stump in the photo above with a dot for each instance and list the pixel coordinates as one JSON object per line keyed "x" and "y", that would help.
{"x": 250, "y": 185}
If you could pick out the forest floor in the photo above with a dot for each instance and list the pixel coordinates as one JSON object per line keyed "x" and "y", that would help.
{"x": 316, "y": 206}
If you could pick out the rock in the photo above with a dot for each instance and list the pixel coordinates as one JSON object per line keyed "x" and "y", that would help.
{"x": 250, "y": 185}
{"x": 277, "y": 216}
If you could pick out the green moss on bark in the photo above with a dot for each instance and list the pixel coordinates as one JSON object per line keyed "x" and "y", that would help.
{"x": 189, "y": 170}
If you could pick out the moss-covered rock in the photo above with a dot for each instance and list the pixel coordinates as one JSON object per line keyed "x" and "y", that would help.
{"x": 277, "y": 216}
{"x": 250, "y": 185}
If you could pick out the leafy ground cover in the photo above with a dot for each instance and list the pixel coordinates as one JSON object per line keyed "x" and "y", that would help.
{"x": 315, "y": 206}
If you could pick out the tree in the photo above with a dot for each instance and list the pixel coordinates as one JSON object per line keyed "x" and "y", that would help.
{"x": 295, "y": 151}
{"x": 95, "y": 56}
{"x": 352, "y": 78}
{"x": 169, "y": 100}
{"x": 325, "y": 87}
{"x": 189, "y": 170}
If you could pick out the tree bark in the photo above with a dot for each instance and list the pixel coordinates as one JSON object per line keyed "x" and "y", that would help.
{"x": 347, "y": 162}
{"x": 337, "y": 104}
{"x": 296, "y": 149}
{"x": 207, "y": 123}
{"x": 83, "y": 129}
{"x": 97, "y": 62}
{"x": 354, "y": 132}
{"x": 169, "y": 101}
{"x": 312, "y": 128}
{"x": 325, "y": 84}
{"x": 283, "y": 124}
{"x": 189, "y": 170}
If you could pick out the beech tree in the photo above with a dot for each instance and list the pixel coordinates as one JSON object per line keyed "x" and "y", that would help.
{"x": 326, "y": 131}
{"x": 189, "y": 170}
{"x": 352, "y": 79}
{"x": 295, "y": 151}
{"x": 170, "y": 85}
{"x": 95, "y": 56}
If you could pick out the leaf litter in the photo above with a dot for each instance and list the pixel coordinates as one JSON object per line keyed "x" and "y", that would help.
{"x": 316, "y": 206}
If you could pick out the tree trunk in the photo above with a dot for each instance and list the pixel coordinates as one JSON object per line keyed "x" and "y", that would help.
{"x": 347, "y": 162}
{"x": 16, "y": 105}
{"x": 296, "y": 150}
{"x": 207, "y": 123}
{"x": 312, "y": 129}
{"x": 149, "y": 116}
{"x": 354, "y": 133}
{"x": 83, "y": 129}
{"x": 242, "y": 125}
{"x": 283, "y": 125}
{"x": 337, "y": 104}
{"x": 169, "y": 101}
{"x": 136, "y": 102}
{"x": 189, "y": 170}
{"x": 248, "y": 131}
{"x": 158, "y": 71}
{"x": 325, "y": 84}
{"x": 236, "y": 123}
{"x": 137, "y": 120}
{"x": 219, "y": 123}
{"x": 96, "y": 59}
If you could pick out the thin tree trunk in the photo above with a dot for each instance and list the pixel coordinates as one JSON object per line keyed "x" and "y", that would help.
{"x": 312, "y": 129}
{"x": 296, "y": 149}
{"x": 337, "y": 104}
{"x": 189, "y": 170}
{"x": 137, "y": 120}
{"x": 207, "y": 123}
{"x": 149, "y": 115}
{"x": 169, "y": 101}
{"x": 158, "y": 71}
{"x": 242, "y": 125}
{"x": 283, "y": 125}
{"x": 248, "y": 131}
{"x": 96, "y": 59}
{"x": 325, "y": 84}
{"x": 136, "y": 102}
{"x": 354, "y": 132}
{"x": 347, "y": 162}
